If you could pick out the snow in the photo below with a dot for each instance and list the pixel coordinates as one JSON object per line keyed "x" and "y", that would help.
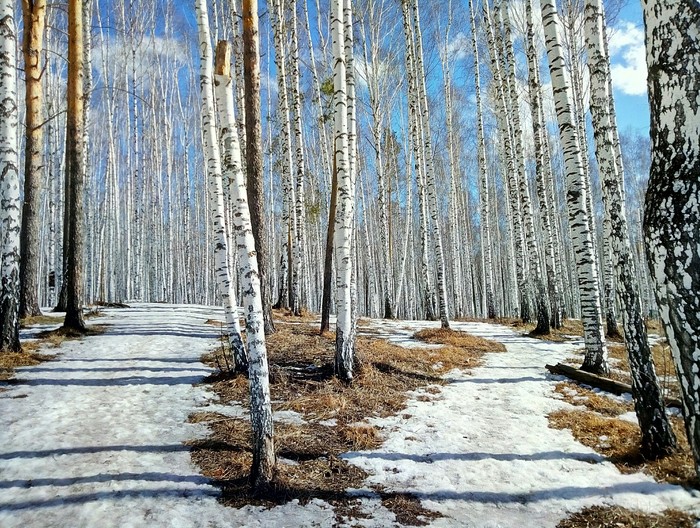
{"x": 95, "y": 438}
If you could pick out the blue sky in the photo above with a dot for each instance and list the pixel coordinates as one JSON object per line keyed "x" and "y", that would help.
{"x": 628, "y": 68}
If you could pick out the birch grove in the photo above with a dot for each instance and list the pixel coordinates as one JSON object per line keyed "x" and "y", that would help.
{"x": 408, "y": 159}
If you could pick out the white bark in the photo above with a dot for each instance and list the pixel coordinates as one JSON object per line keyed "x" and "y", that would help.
{"x": 9, "y": 181}
{"x": 258, "y": 370}
{"x": 596, "y": 359}
{"x": 215, "y": 189}
{"x": 672, "y": 207}
{"x": 345, "y": 213}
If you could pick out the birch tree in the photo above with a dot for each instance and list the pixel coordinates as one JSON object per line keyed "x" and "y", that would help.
{"x": 657, "y": 436}
{"x": 345, "y": 213}
{"x": 215, "y": 190}
{"x": 487, "y": 259}
{"x": 596, "y": 357}
{"x": 34, "y": 15}
{"x": 9, "y": 182}
{"x": 264, "y": 459}
{"x": 543, "y": 166}
{"x": 541, "y": 296}
{"x": 672, "y": 208}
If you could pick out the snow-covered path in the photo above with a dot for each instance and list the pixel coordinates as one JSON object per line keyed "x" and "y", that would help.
{"x": 481, "y": 451}
{"x": 95, "y": 438}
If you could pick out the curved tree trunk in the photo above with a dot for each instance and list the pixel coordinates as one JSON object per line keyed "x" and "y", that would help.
{"x": 672, "y": 210}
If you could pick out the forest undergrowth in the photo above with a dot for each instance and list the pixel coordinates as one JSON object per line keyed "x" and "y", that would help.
{"x": 333, "y": 415}
{"x": 600, "y": 426}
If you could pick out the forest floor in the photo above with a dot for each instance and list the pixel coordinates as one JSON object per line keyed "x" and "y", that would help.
{"x": 102, "y": 436}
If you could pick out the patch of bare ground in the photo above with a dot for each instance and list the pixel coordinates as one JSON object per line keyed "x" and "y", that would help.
{"x": 43, "y": 319}
{"x": 571, "y": 327}
{"x": 619, "y": 441}
{"x": 577, "y": 395}
{"x": 456, "y": 338}
{"x": 335, "y": 413}
{"x": 408, "y": 509}
{"x": 618, "y": 517}
{"x": 28, "y": 356}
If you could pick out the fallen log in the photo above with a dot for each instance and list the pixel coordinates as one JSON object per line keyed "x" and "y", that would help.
{"x": 600, "y": 382}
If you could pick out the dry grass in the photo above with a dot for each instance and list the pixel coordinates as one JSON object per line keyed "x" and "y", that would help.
{"x": 618, "y": 517}
{"x": 40, "y": 320}
{"x": 408, "y": 509}
{"x": 27, "y": 357}
{"x": 663, "y": 364}
{"x": 302, "y": 380}
{"x": 619, "y": 441}
{"x": 571, "y": 327}
{"x": 577, "y": 395}
{"x": 455, "y": 338}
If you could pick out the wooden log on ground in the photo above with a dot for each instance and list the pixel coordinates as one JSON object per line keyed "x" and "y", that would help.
{"x": 600, "y": 382}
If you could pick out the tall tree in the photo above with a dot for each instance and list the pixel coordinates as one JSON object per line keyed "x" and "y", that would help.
{"x": 216, "y": 192}
{"x": 34, "y": 16}
{"x": 253, "y": 150}
{"x": 657, "y": 436}
{"x": 672, "y": 208}
{"x": 542, "y": 165}
{"x": 486, "y": 254}
{"x": 74, "y": 170}
{"x": 596, "y": 357}
{"x": 345, "y": 213}
{"x": 263, "y": 468}
{"x": 9, "y": 182}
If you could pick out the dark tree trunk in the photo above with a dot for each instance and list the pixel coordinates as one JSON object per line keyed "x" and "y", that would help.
{"x": 263, "y": 468}
{"x": 254, "y": 161}
{"x": 74, "y": 169}
{"x": 34, "y": 17}
{"x": 328, "y": 259}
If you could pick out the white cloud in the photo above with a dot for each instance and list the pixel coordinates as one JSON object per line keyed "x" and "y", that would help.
{"x": 628, "y": 65}
{"x": 459, "y": 46}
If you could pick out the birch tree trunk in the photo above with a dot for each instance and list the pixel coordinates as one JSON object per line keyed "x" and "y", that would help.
{"x": 657, "y": 435}
{"x": 503, "y": 119}
{"x": 672, "y": 208}
{"x": 596, "y": 358}
{"x": 264, "y": 460}
{"x": 216, "y": 192}
{"x": 541, "y": 166}
{"x": 487, "y": 258}
{"x": 427, "y": 145}
{"x": 541, "y": 296}
{"x": 34, "y": 16}
{"x": 345, "y": 214}
{"x": 9, "y": 182}
{"x": 253, "y": 150}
